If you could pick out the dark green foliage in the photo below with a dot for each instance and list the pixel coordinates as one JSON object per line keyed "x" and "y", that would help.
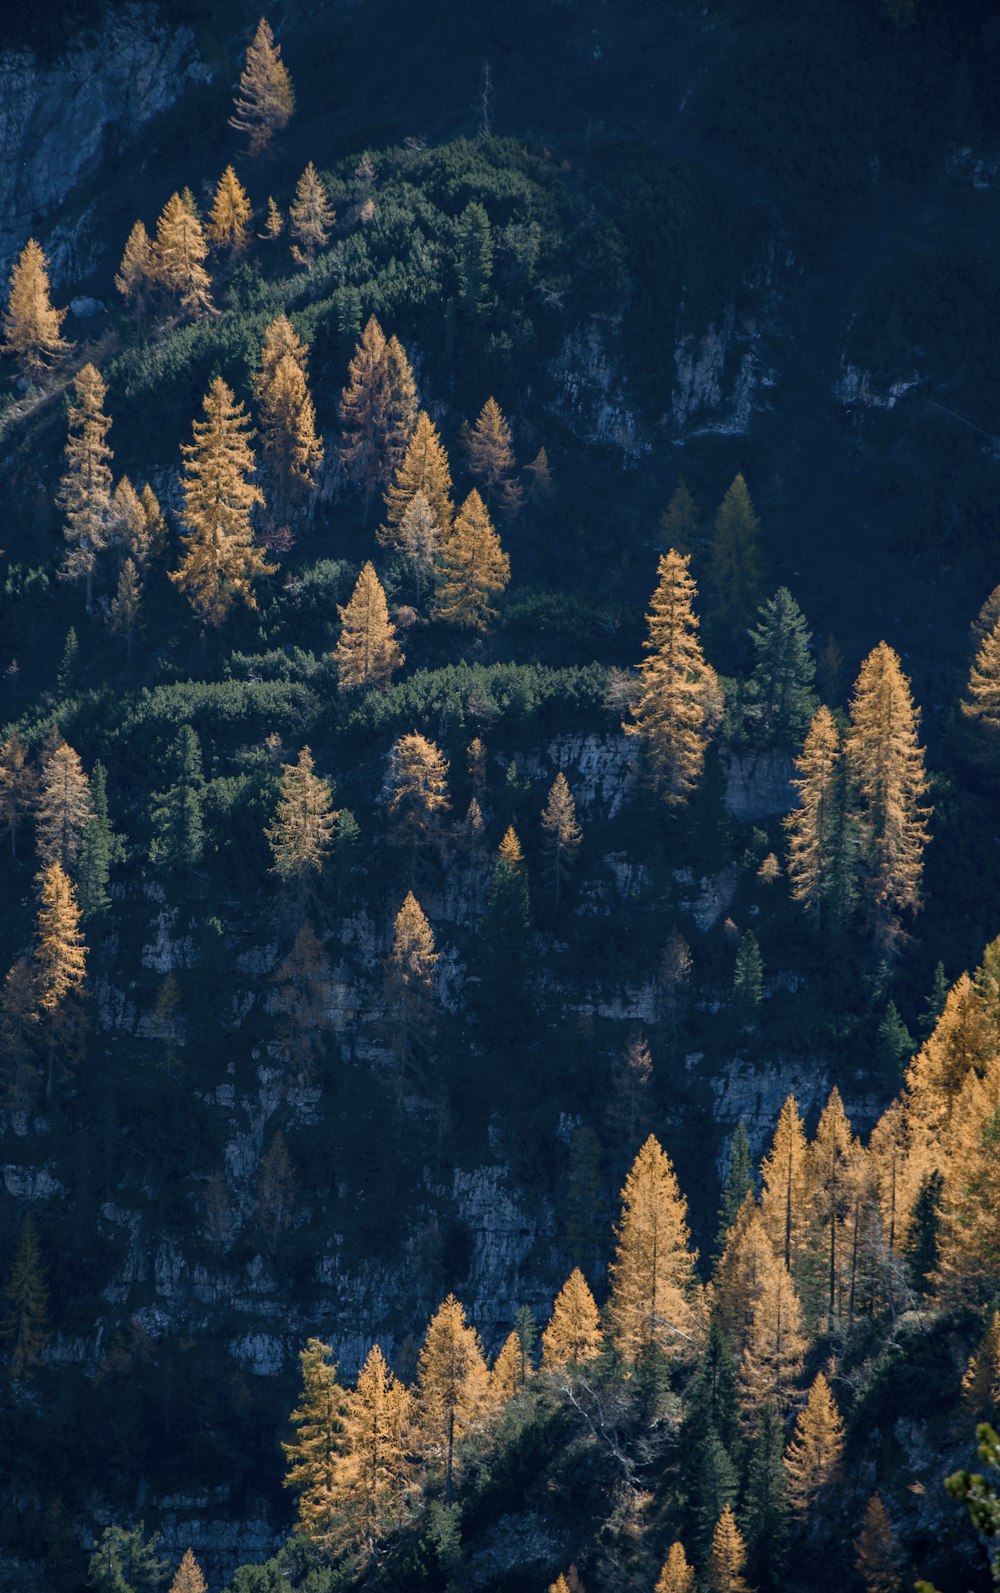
{"x": 99, "y": 848}
{"x": 736, "y": 571}
{"x": 895, "y": 1040}
{"x": 781, "y": 700}
{"x": 764, "y": 1516}
{"x": 177, "y": 814}
{"x": 748, "y": 976}
{"x": 935, "y": 1000}
{"x": 922, "y": 1244}
{"x": 124, "y": 1561}
{"x": 473, "y": 258}
{"x": 739, "y": 1181}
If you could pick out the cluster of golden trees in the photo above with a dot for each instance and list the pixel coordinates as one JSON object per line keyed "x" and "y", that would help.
{"x": 839, "y": 1231}
{"x": 860, "y": 822}
{"x": 41, "y": 1010}
{"x": 358, "y": 1453}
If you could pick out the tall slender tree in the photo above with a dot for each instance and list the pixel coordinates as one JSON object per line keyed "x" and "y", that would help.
{"x": 452, "y": 1391}
{"x": 573, "y": 1335}
{"x": 65, "y": 807}
{"x": 31, "y": 326}
{"x": 179, "y": 255}
{"x": 266, "y": 98}
{"x": 314, "y": 1456}
{"x": 654, "y": 1292}
{"x": 24, "y": 1325}
{"x": 367, "y": 653}
{"x": 378, "y": 410}
{"x": 679, "y": 692}
{"x": 562, "y": 832}
{"x": 310, "y": 216}
{"x": 781, "y": 697}
{"x": 887, "y": 762}
{"x": 221, "y": 558}
{"x": 423, "y": 468}
{"x": 472, "y": 568}
{"x": 229, "y": 219}
{"x": 822, "y": 831}
{"x": 85, "y": 488}
{"x": 816, "y": 1447}
{"x": 736, "y": 569}
{"x": 301, "y": 835}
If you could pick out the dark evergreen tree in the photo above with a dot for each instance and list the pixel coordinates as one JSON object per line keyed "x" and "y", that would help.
{"x": 99, "y": 848}
{"x": 737, "y": 572}
{"x": 737, "y": 1184}
{"x": 748, "y": 976}
{"x": 765, "y": 1514}
{"x": 922, "y": 1246}
{"x": 179, "y": 837}
{"x": 473, "y": 258}
{"x": 781, "y": 699}
{"x": 125, "y": 1562}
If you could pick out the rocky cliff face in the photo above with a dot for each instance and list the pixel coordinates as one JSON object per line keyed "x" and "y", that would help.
{"x": 59, "y": 121}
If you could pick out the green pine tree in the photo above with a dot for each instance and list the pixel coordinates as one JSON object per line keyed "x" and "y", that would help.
{"x": 765, "y": 1515}
{"x": 178, "y": 831}
{"x": 736, "y": 570}
{"x": 781, "y": 696}
{"x": 99, "y": 848}
{"x": 737, "y": 1185}
{"x": 473, "y": 259}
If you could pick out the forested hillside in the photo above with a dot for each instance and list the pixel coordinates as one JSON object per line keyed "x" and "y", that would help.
{"x": 500, "y": 646}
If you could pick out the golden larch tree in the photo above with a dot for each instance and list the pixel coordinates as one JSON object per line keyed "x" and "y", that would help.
{"x": 887, "y": 762}
{"x": 291, "y": 446}
{"x": 679, "y": 690}
{"x": 179, "y": 255}
{"x": 654, "y": 1292}
{"x": 423, "y": 468}
{"x": 472, "y": 568}
{"x": 310, "y": 217}
{"x": 314, "y": 1456}
{"x": 59, "y": 965}
{"x": 189, "y": 1578}
{"x": 876, "y": 1551}
{"x": 367, "y": 653}
{"x": 831, "y": 1171}
{"x": 302, "y": 832}
{"x": 156, "y": 527}
{"x": 125, "y": 606}
{"x": 85, "y": 488}
{"x": 964, "y": 1036}
{"x": 229, "y": 219}
{"x": 981, "y": 1383}
{"x": 507, "y": 1371}
{"x": 677, "y": 1575}
{"x": 65, "y": 808}
{"x": 775, "y": 1341}
{"x": 18, "y": 786}
{"x": 25, "y": 1318}
{"x": 561, "y": 831}
{"x": 416, "y": 787}
{"x": 31, "y": 325}
{"x": 419, "y": 539}
{"x": 969, "y": 1232}
{"x": 221, "y": 558}
{"x": 820, "y": 829}
{"x": 136, "y": 276}
{"x": 274, "y": 221}
{"x": 410, "y": 980}
{"x": 452, "y": 1389}
{"x": 266, "y": 98}
{"x": 735, "y": 1272}
{"x": 378, "y": 410}
{"x": 816, "y": 1447}
{"x": 981, "y": 703}
{"x": 489, "y": 451}
{"x": 727, "y": 1556}
{"x": 127, "y": 530}
{"x": 573, "y": 1335}
{"x": 784, "y": 1186}
{"x": 372, "y": 1481}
